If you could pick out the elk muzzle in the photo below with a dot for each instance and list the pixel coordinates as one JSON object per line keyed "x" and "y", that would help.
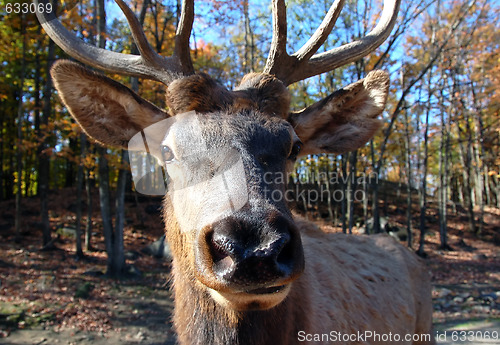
{"x": 248, "y": 260}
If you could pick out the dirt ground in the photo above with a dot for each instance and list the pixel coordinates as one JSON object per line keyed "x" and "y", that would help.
{"x": 129, "y": 327}
{"x": 147, "y": 322}
{"x": 49, "y": 297}
{"x": 476, "y": 332}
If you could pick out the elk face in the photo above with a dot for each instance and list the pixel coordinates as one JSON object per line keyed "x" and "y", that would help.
{"x": 239, "y": 242}
{"x": 226, "y": 201}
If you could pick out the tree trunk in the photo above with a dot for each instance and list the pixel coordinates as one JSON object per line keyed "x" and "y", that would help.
{"x": 119, "y": 254}
{"x": 20, "y": 119}
{"x": 104, "y": 200}
{"x": 69, "y": 171}
{"x": 466, "y": 154}
{"x": 27, "y": 173}
{"x": 482, "y": 169}
{"x": 375, "y": 203}
{"x": 423, "y": 198}
{"x": 344, "y": 192}
{"x": 352, "y": 187}
{"x": 249, "y": 62}
{"x": 465, "y": 157}
{"x": 497, "y": 189}
{"x": 409, "y": 180}
{"x": 9, "y": 185}
{"x": 443, "y": 177}
{"x": 479, "y": 184}
{"x": 88, "y": 227}
{"x": 365, "y": 198}
{"x": 375, "y": 193}
{"x": 79, "y": 186}
{"x": 329, "y": 198}
{"x": 1, "y": 156}
{"x": 44, "y": 164}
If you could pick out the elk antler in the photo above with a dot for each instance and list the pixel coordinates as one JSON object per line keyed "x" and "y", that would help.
{"x": 148, "y": 65}
{"x": 305, "y": 62}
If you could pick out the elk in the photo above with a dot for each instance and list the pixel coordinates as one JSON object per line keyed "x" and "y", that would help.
{"x": 259, "y": 274}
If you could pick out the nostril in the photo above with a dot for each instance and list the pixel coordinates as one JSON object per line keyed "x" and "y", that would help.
{"x": 220, "y": 246}
{"x": 221, "y": 249}
{"x": 286, "y": 256}
{"x": 285, "y": 248}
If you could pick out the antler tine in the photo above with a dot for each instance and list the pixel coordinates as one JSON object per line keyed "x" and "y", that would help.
{"x": 182, "y": 35}
{"x": 306, "y": 63}
{"x": 148, "y": 65}
{"x": 321, "y": 34}
{"x": 150, "y": 56}
{"x": 353, "y": 51}
{"x": 277, "y": 54}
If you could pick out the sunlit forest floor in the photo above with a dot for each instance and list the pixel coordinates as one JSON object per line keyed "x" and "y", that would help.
{"x": 49, "y": 297}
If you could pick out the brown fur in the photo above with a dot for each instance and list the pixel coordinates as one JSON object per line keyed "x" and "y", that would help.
{"x": 358, "y": 283}
{"x": 198, "y": 92}
{"x": 202, "y": 94}
{"x": 268, "y": 94}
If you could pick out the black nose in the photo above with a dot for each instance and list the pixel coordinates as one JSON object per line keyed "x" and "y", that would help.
{"x": 253, "y": 254}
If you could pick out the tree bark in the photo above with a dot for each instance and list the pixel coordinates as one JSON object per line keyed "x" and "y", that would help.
{"x": 20, "y": 119}
{"x": 409, "y": 180}
{"x": 443, "y": 178}
{"x": 249, "y": 53}
{"x": 352, "y": 187}
{"x": 119, "y": 254}
{"x": 423, "y": 198}
{"x": 104, "y": 200}
{"x": 344, "y": 192}
{"x": 1, "y": 157}
{"x": 79, "y": 186}
{"x": 468, "y": 191}
{"x": 44, "y": 164}
{"x": 88, "y": 227}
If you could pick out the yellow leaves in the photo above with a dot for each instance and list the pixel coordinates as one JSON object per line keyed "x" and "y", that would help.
{"x": 88, "y": 161}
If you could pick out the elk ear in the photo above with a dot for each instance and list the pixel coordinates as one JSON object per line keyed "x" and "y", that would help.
{"x": 107, "y": 111}
{"x": 345, "y": 120}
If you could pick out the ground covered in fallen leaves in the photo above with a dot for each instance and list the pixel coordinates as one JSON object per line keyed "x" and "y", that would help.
{"x": 50, "y": 297}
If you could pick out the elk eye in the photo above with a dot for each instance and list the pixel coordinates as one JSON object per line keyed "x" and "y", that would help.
{"x": 295, "y": 151}
{"x": 167, "y": 154}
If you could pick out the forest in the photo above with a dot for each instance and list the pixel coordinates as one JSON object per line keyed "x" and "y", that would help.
{"x": 74, "y": 227}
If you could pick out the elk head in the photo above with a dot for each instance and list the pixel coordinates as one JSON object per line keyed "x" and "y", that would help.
{"x": 246, "y": 258}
